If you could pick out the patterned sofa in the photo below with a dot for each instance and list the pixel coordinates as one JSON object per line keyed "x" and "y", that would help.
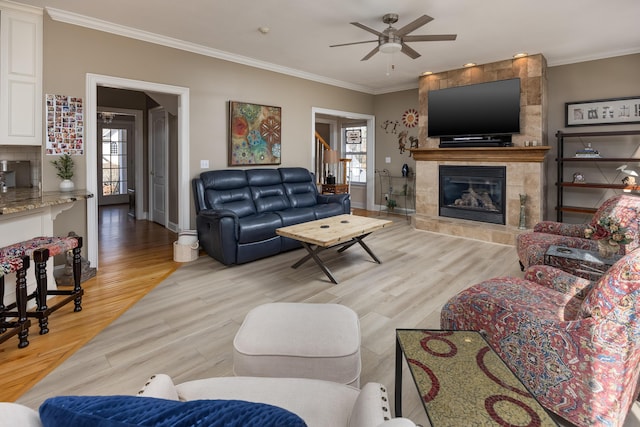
{"x": 532, "y": 246}
{"x": 574, "y": 343}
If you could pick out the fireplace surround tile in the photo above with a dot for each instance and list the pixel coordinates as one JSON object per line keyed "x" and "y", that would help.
{"x": 525, "y": 175}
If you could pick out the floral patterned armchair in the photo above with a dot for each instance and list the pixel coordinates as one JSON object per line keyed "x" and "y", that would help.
{"x": 574, "y": 343}
{"x": 531, "y": 246}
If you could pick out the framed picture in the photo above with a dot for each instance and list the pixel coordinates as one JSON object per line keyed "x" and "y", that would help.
{"x": 616, "y": 111}
{"x": 353, "y": 136}
{"x": 254, "y": 134}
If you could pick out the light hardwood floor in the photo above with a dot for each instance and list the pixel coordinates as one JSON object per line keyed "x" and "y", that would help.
{"x": 134, "y": 257}
{"x": 185, "y": 326}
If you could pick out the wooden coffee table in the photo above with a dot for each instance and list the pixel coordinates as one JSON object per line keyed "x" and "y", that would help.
{"x": 341, "y": 231}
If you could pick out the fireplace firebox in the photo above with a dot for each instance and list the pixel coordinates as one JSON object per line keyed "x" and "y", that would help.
{"x": 476, "y": 193}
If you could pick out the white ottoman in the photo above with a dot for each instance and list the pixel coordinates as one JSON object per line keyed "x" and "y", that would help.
{"x": 299, "y": 340}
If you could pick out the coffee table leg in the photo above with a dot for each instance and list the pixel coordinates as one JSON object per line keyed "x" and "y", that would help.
{"x": 398, "y": 383}
{"x": 358, "y": 239}
{"x": 313, "y": 253}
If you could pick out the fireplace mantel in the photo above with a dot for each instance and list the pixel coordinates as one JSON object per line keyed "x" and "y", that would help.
{"x": 482, "y": 154}
{"x": 525, "y": 175}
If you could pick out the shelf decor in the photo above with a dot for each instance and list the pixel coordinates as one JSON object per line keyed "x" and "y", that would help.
{"x": 615, "y": 111}
{"x": 254, "y": 134}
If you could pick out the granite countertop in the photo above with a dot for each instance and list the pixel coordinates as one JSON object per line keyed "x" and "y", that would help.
{"x": 24, "y": 199}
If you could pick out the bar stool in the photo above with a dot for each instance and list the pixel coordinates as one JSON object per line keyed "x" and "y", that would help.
{"x": 40, "y": 249}
{"x": 19, "y": 326}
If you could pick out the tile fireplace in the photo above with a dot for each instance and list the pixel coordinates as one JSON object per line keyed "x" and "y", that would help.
{"x": 523, "y": 172}
{"x": 476, "y": 193}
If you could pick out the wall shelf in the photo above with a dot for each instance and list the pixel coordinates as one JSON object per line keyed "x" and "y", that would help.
{"x": 564, "y": 138}
{"x": 398, "y": 188}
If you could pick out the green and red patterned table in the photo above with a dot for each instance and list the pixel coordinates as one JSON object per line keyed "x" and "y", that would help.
{"x": 463, "y": 382}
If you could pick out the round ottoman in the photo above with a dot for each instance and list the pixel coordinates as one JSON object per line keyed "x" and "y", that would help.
{"x": 299, "y": 340}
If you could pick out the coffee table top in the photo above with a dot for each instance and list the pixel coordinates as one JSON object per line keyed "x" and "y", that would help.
{"x": 462, "y": 381}
{"x": 333, "y": 230}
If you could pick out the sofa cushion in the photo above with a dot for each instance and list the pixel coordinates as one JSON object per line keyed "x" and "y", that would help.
{"x": 258, "y": 227}
{"x": 227, "y": 189}
{"x": 319, "y": 403}
{"x": 106, "y": 411}
{"x": 299, "y": 186}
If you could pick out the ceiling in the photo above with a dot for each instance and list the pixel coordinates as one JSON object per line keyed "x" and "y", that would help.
{"x": 300, "y": 32}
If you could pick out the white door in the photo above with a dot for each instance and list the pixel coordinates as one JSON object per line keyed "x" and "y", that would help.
{"x": 158, "y": 178}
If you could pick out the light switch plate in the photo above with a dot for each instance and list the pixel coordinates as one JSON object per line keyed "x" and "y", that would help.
{"x": 204, "y": 164}
{"x": 387, "y": 159}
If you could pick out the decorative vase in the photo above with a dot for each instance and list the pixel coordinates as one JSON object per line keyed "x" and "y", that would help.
{"x": 606, "y": 249}
{"x": 405, "y": 170}
{"x": 66, "y": 185}
{"x": 523, "y": 221}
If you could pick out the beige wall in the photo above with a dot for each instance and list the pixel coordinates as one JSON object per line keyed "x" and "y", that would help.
{"x": 390, "y": 107}
{"x": 70, "y": 52}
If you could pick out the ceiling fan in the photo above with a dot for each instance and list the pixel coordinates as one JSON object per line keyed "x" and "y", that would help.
{"x": 392, "y": 40}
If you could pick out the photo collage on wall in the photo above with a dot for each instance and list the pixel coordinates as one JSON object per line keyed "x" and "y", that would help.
{"x": 65, "y": 125}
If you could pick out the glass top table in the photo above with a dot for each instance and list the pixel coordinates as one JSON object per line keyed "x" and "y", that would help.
{"x": 463, "y": 382}
{"x": 584, "y": 261}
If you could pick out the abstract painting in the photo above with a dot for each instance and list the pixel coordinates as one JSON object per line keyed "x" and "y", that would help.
{"x": 254, "y": 134}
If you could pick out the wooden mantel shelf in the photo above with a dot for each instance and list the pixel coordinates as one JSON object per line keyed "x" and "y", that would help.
{"x": 482, "y": 154}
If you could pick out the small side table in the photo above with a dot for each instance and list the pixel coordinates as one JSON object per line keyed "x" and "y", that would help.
{"x": 335, "y": 188}
{"x": 583, "y": 261}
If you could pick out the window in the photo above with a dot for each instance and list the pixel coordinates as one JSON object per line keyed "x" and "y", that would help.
{"x": 114, "y": 161}
{"x": 357, "y": 152}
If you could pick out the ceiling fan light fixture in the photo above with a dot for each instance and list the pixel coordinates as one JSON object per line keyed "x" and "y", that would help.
{"x": 390, "y": 47}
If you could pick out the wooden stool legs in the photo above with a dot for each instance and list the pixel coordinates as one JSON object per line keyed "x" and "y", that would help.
{"x": 40, "y": 257}
{"x": 21, "y": 325}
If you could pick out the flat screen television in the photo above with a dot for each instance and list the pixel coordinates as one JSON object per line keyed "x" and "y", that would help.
{"x": 477, "y": 110}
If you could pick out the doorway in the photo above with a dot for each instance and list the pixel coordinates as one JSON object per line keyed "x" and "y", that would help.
{"x": 116, "y": 170}
{"x": 93, "y": 81}
{"x": 324, "y": 115}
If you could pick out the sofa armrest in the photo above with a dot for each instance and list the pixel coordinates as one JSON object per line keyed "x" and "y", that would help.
{"x": 558, "y": 280}
{"x": 160, "y": 386}
{"x": 560, "y": 228}
{"x": 398, "y": 422}
{"x": 216, "y": 214}
{"x": 332, "y": 198}
{"x": 342, "y": 199}
{"x": 14, "y": 414}
{"x": 371, "y": 407}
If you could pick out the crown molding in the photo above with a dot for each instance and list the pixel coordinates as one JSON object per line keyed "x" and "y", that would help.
{"x": 595, "y": 57}
{"x": 133, "y": 33}
{"x": 6, "y": 4}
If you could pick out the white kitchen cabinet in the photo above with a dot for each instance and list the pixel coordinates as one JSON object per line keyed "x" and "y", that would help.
{"x": 20, "y": 74}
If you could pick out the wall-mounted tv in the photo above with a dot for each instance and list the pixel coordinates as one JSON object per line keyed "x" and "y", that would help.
{"x": 477, "y": 110}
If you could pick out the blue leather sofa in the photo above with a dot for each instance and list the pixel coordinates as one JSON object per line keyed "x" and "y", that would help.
{"x": 238, "y": 211}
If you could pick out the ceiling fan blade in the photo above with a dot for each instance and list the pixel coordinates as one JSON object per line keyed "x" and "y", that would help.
{"x": 349, "y": 44}
{"x": 371, "y": 30}
{"x": 414, "y": 25}
{"x": 370, "y": 54}
{"x": 432, "y": 38}
{"x": 409, "y": 52}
